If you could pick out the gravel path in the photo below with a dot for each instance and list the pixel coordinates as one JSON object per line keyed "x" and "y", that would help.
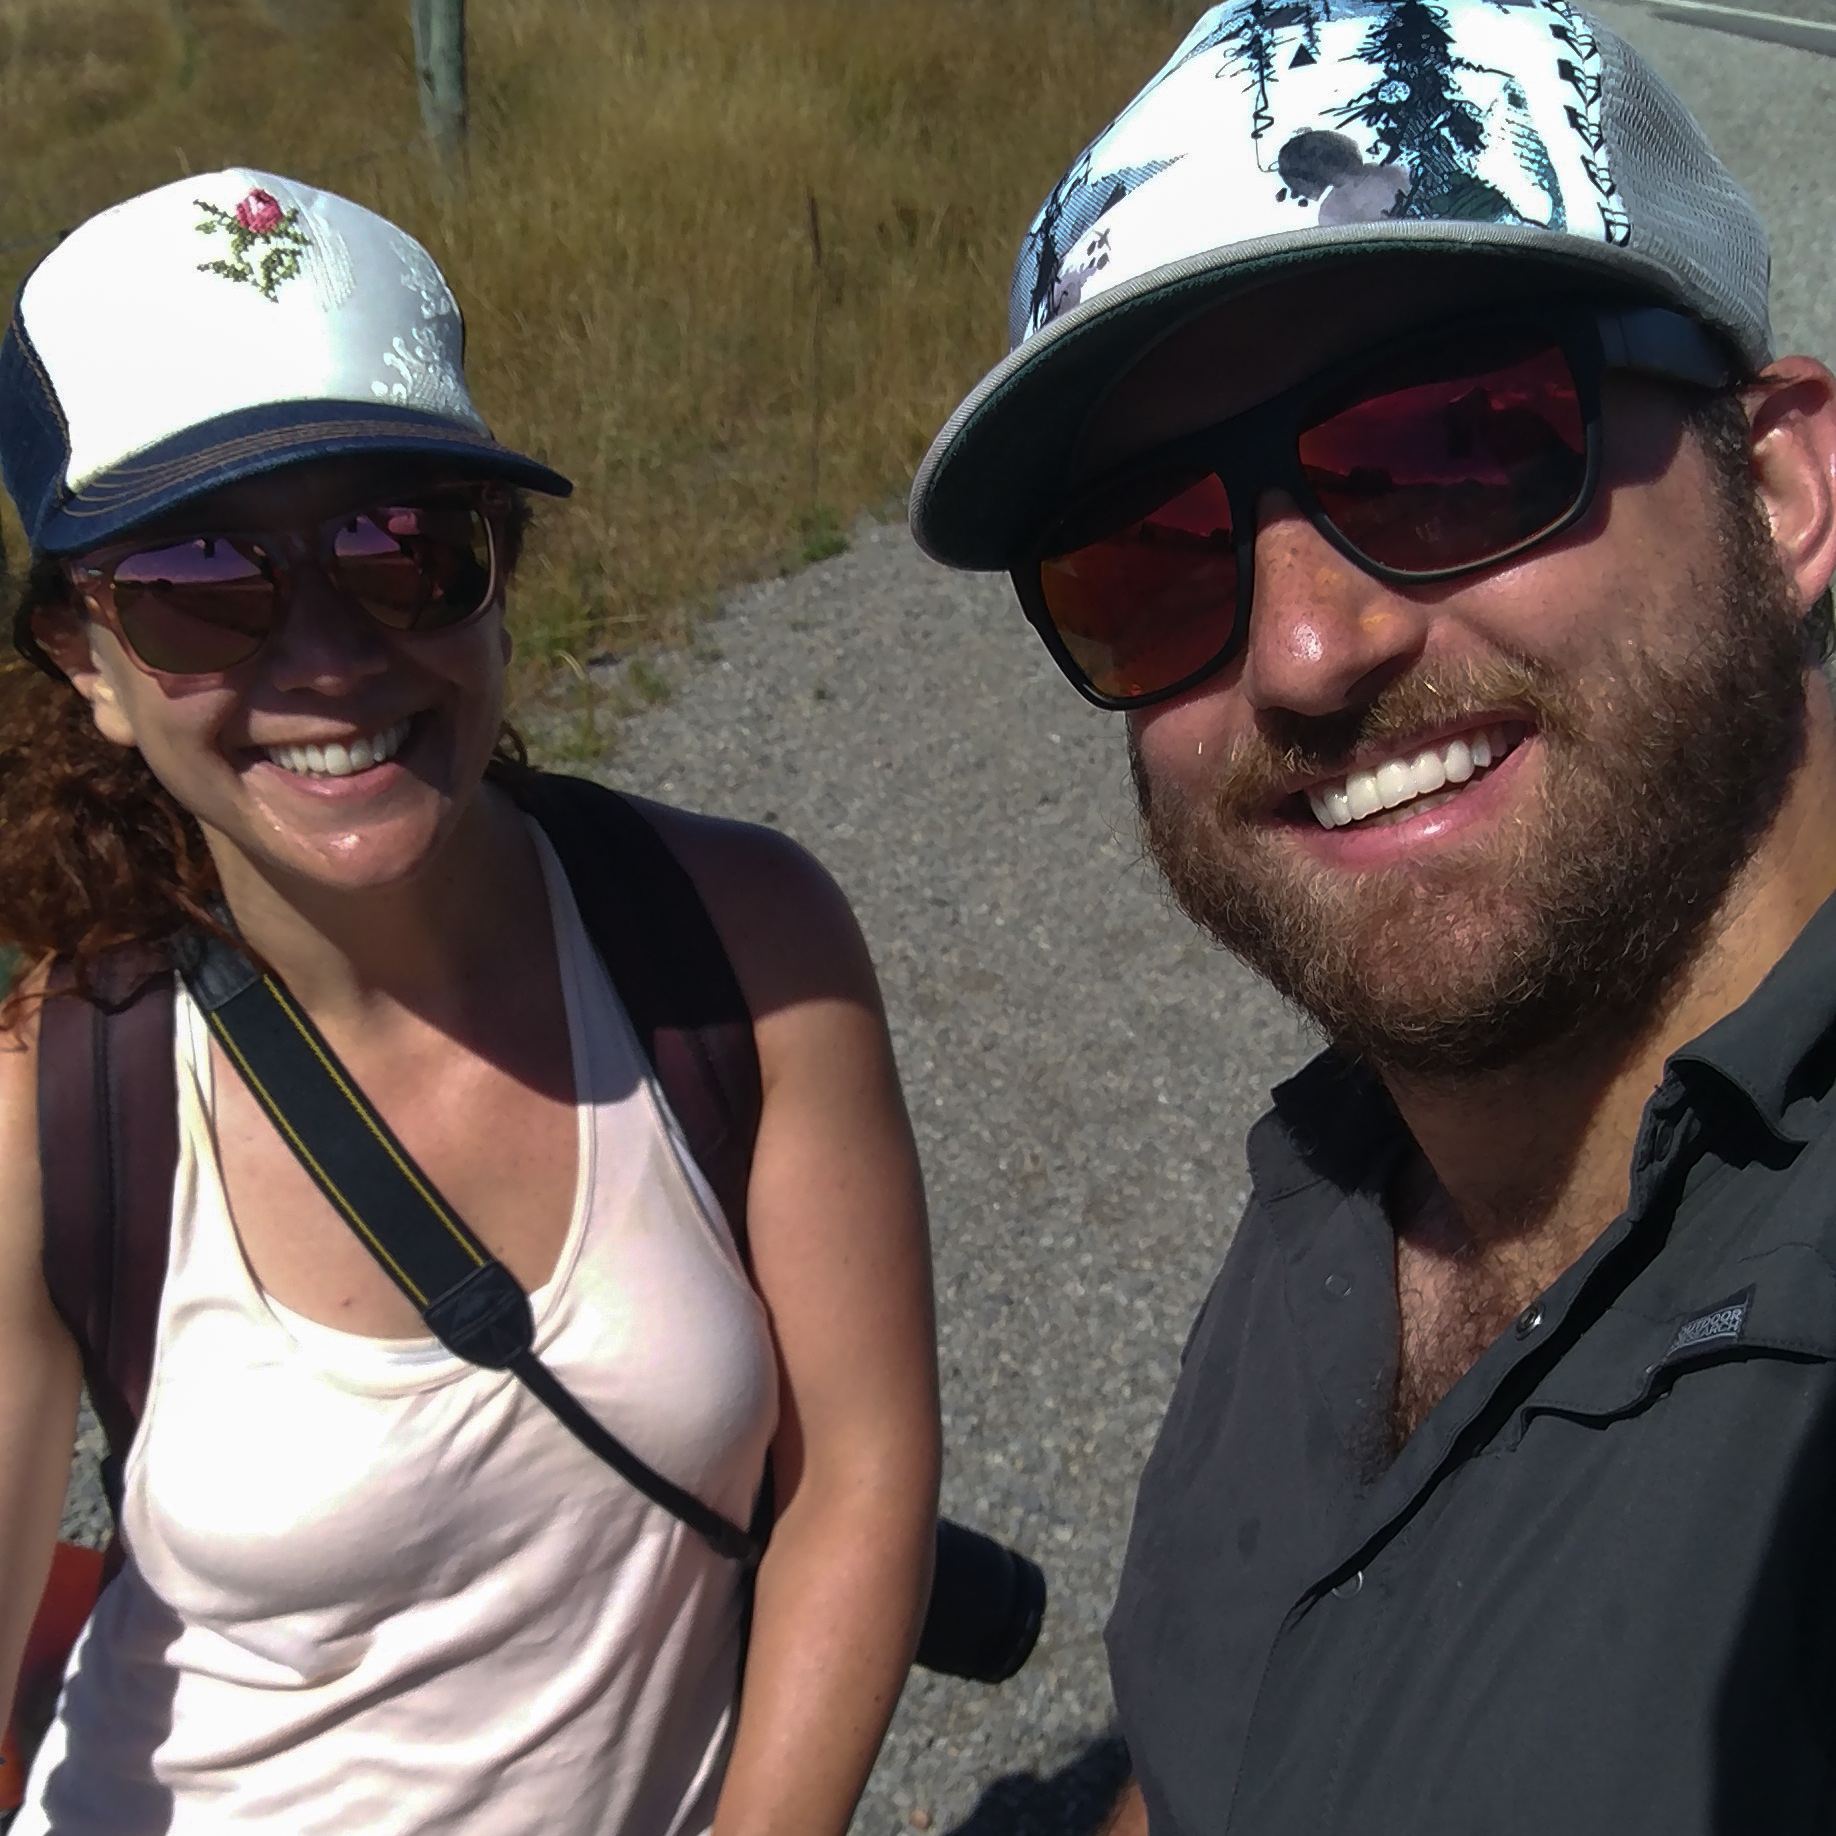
{"x": 1081, "y": 1069}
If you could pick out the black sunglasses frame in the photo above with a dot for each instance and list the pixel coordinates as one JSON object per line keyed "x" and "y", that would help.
{"x": 1259, "y": 449}
{"x": 94, "y": 573}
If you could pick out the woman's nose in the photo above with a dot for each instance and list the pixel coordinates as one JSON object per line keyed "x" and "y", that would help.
{"x": 326, "y": 641}
{"x": 1323, "y": 634}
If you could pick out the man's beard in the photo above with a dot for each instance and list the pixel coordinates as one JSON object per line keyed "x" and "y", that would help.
{"x": 1581, "y": 915}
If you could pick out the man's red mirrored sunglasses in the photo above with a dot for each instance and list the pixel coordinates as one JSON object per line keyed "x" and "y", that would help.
{"x": 204, "y": 604}
{"x": 1445, "y": 452}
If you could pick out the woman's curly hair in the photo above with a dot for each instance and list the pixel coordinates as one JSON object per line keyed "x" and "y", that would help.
{"x": 94, "y": 851}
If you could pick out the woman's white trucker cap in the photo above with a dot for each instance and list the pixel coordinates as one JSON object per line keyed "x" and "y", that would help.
{"x": 218, "y": 328}
{"x": 1311, "y": 134}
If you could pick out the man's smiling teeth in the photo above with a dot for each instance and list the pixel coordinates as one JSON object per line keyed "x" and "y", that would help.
{"x": 338, "y": 760}
{"x": 1398, "y": 781}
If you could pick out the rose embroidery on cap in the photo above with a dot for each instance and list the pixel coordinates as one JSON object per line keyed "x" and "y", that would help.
{"x": 260, "y": 213}
{"x": 259, "y": 222}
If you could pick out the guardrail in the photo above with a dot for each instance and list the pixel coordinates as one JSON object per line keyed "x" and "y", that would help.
{"x": 1770, "y": 28}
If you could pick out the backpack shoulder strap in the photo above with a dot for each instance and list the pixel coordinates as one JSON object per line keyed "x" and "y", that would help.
{"x": 670, "y": 968}
{"x": 108, "y": 1152}
{"x": 659, "y": 945}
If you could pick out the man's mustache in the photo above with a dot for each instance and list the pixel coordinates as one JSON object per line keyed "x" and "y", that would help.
{"x": 1287, "y": 746}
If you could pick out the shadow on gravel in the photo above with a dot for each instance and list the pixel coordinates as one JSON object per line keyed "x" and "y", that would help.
{"x": 1072, "y": 1802}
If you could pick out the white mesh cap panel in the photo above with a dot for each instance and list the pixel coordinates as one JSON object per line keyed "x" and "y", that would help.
{"x": 1687, "y": 212}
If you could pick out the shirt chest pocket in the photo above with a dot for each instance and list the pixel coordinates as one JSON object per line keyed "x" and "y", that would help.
{"x": 1784, "y": 1310}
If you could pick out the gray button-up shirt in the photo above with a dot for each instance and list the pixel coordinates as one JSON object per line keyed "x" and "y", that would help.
{"x": 1596, "y": 1591}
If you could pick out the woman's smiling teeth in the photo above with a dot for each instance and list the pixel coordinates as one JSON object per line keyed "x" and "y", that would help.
{"x": 1369, "y": 792}
{"x": 340, "y": 759}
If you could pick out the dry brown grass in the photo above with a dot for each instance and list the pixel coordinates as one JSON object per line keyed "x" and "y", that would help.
{"x": 633, "y": 244}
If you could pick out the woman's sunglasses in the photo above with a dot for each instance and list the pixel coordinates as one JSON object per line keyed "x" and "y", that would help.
{"x": 204, "y": 604}
{"x": 1447, "y": 452}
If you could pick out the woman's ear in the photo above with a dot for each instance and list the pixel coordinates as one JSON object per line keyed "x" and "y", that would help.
{"x": 1792, "y": 411}
{"x": 63, "y": 634}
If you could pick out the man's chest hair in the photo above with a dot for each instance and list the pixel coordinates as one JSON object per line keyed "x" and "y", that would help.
{"x": 1447, "y": 1314}
{"x": 1455, "y": 1296}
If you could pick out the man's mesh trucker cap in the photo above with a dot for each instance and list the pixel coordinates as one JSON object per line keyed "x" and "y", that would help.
{"x": 219, "y": 328}
{"x": 1311, "y": 133}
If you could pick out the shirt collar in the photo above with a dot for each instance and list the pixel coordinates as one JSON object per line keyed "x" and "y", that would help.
{"x": 1334, "y": 1120}
{"x": 1764, "y": 1049}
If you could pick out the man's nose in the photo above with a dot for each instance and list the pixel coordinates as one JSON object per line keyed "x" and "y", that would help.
{"x": 1323, "y": 634}
{"x": 326, "y": 641}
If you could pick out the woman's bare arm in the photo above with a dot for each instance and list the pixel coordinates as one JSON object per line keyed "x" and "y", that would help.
{"x": 842, "y": 1259}
{"x": 40, "y": 1374}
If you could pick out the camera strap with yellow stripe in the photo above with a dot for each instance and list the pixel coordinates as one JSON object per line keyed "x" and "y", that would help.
{"x": 470, "y": 1302}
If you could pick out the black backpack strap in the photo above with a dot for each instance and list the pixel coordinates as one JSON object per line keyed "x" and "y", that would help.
{"x": 466, "y": 1297}
{"x": 670, "y": 968}
{"x": 108, "y": 1152}
{"x": 677, "y": 984}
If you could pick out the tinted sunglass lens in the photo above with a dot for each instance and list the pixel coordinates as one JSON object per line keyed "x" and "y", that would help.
{"x": 1153, "y": 602}
{"x": 1452, "y": 461}
{"x": 417, "y": 567}
{"x": 196, "y": 607}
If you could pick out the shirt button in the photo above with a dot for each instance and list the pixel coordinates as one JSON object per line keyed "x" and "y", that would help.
{"x": 1337, "y": 1285}
{"x": 1350, "y": 1589}
{"x": 1529, "y": 1320}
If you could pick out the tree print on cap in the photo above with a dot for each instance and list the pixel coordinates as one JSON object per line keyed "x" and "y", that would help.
{"x": 1277, "y": 117}
{"x": 1045, "y": 285}
{"x": 1427, "y": 131}
{"x": 1417, "y": 110}
{"x": 1251, "y": 37}
{"x": 261, "y": 222}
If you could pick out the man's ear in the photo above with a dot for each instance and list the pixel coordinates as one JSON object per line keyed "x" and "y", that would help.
{"x": 1792, "y": 411}
{"x": 63, "y": 634}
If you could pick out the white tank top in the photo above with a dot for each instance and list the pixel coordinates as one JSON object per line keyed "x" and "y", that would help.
{"x": 374, "y": 1588}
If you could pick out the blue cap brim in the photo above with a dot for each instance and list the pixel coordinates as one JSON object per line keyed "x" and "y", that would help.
{"x": 253, "y": 441}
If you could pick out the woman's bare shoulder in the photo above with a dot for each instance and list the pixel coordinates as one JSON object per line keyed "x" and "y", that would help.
{"x": 786, "y": 924}
{"x": 728, "y": 856}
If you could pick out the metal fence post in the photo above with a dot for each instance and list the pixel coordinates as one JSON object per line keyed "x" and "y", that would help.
{"x": 439, "y": 62}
